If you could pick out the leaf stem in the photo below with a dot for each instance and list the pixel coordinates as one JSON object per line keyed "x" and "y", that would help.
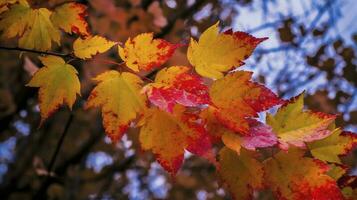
{"x": 36, "y": 51}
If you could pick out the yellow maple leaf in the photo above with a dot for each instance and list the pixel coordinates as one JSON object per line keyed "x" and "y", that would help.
{"x": 145, "y": 53}
{"x": 216, "y": 53}
{"x": 329, "y": 148}
{"x": 292, "y": 176}
{"x": 70, "y": 18}
{"x": 294, "y": 126}
{"x": 119, "y": 96}
{"x": 58, "y": 83}
{"x": 167, "y": 135}
{"x": 86, "y": 48}
{"x": 33, "y": 26}
{"x": 242, "y": 173}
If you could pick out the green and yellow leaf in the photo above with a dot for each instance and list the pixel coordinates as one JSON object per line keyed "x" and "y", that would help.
{"x": 118, "y": 94}
{"x": 330, "y": 148}
{"x": 58, "y": 83}
{"x": 33, "y": 26}
{"x": 294, "y": 126}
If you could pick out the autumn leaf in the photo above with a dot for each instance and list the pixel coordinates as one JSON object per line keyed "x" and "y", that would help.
{"x": 176, "y": 85}
{"x": 70, "y": 18}
{"x": 216, "y": 53}
{"x": 235, "y": 98}
{"x": 330, "y": 148}
{"x": 167, "y": 135}
{"x": 33, "y": 26}
{"x": 118, "y": 94}
{"x": 5, "y": 3}
{"x": 143, "y": 53}
{"x": 86, "y": 48}
{"x": 259, "y": 136}
{"x": 242, "y": 173}
{"x": 294, "y": 177}
{"x": 58, "y": 83}
{"x": 294, "y": 126}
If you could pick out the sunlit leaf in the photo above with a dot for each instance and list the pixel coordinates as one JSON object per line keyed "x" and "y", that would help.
{"x": 216, "y": 53}
{"x": 143, "y": 53}
{"x": 259, "y": 136}
{"x": 167, "y": 135}
{"x": 70, "y": 18}
{"x": 176, "y": 85}
{"x": 329, "y": 148}
{"x": 294, "y": 126}
{"x": 86, "y": 48}
{"x": 58, "y": 83}
{"x": 292, "y": 176}
{"x": 236, "y": 98}
{"x": 118, "y": 94}
{"x": 33, "y": 26}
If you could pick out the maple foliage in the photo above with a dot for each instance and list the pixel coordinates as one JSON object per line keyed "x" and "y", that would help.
{"x": 58, "y": 83}
{"x": 197, "y": 108}
{"x": 176, "y": 85}
{"x": 294, "y": 126}
{"x": 307, "y": 181}
{"x": 168, "y": 135}
{"x": 86, "y": 48}
{"x": 143, "y": 53}
{"x": 119, "y": 96}
{"x": 216, "y": 53}
{"x": 243, "y": 174}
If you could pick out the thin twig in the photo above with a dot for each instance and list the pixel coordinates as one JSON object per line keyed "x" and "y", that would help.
{"x": 59, "y": 143}
{"x": 36, "y": 51}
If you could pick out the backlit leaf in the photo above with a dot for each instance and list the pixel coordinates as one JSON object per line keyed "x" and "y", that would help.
{"x": 118, "y": 94}
{"x": 329, "y": 148}
{"x": 236, "y": 98}
{"x": 242, "y": 173}
{"x": 294, "y": 126}
{"x": 176, "y": 85}
{"x": 259, "y": 136}
{"x": 58, "y": 83}
{"x": 70, "y": 18}
{"x": 143, "y": 53}
{"x": 33, "y": 26}
{"x": 167, "y": 135}
{"x": 86, "y": 48}
{"x": 216, "y": 53}
{"x": 294, "y": 177}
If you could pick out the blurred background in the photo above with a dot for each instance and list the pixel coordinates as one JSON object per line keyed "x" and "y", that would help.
{"x": 311, "y": 47}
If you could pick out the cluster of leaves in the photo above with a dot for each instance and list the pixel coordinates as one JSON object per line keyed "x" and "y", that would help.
{"x": 295, "y": 153}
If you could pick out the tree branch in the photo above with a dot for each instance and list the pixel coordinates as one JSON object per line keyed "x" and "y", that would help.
{"x": 70, "y": 55}
{"x": 59, "y": 144}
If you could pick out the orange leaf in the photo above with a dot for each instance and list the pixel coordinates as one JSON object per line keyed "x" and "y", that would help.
{"x": 143, "y": 53}
{"x": 236, "y": 98}
{"x": 168, "y": 135}
{"x": 294, "y": 177}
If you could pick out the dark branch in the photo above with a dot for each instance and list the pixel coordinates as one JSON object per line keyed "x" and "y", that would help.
{"x": 36, "y": 51}
{"x": 59, "y": 144}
